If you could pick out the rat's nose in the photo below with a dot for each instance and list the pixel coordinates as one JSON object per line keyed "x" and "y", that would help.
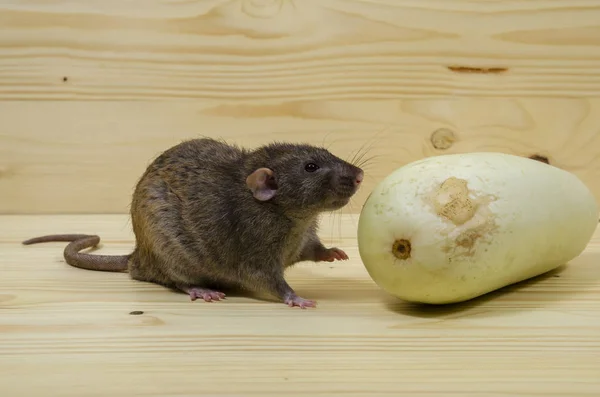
{"x": 359, "y": 177}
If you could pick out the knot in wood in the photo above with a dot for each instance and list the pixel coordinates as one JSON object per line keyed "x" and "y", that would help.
{"x": 442, "y": 138}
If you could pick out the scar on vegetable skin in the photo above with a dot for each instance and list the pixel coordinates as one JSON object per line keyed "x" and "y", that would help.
{"x": 470, "y": 69}
{"x": 539, "y": 157}
{"x": 452, "y": 201}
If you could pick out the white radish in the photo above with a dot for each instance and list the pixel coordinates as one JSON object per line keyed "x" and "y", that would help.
{"x": 449, "y": 228}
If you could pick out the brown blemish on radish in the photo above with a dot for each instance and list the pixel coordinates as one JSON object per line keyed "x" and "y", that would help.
{"x": 401, "y": 249}
{"x": 471, "y": 219}
{"x": 452, "y": 201}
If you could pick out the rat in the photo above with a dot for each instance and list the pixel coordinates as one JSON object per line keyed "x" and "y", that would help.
{"x": 207, "y": 215}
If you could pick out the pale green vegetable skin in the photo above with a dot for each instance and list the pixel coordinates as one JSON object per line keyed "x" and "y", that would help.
{"x": 522, "y": 218}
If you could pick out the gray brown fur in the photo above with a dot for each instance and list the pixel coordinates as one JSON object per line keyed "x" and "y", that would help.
{"x": 197, "y": 223}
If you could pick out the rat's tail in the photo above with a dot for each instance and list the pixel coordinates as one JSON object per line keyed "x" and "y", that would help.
{"x": 104, "y": 263}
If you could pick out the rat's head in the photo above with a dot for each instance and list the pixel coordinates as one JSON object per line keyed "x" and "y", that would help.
{"x": 303, "y": 178}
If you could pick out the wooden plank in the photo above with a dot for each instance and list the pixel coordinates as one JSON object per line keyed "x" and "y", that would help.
{"x": 85, "y": 157}
{"x": 69, "y": 332}
{"x": 287, "y": 50}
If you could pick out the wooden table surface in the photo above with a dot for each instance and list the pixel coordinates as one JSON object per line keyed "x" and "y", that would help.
{"x": 70, "y": 332}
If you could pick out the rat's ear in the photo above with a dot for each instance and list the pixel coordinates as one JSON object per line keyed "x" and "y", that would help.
{"x": 262, "y": 184}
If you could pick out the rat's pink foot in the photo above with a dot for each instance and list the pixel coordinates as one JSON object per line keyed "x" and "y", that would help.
{"x": 300, "y": 302}
{"x": 331, "y": 254}
{"x": 204, "y": 293}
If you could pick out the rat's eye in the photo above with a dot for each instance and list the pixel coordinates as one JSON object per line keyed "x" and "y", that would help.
{"x": 311, "y": 167}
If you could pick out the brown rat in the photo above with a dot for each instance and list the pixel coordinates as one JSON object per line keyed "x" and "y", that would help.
{"x": 207, "y": 215}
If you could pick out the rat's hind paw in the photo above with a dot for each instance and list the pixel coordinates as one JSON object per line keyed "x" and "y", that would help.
{"x": 300, "y": 302}
{"x": 331, "y": 254}
{"x": 204, "y": 293}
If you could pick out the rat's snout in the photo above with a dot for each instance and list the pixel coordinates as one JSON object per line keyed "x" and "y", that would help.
{"x": 359, "y": 177}
{"x": 350, "y": 179}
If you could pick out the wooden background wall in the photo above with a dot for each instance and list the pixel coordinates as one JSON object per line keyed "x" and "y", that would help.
{"x": 92, "y": 90}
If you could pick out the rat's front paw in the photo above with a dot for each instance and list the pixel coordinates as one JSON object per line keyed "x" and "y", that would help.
{"x": 330, "y": 255}
{"x": 300, "y": 302}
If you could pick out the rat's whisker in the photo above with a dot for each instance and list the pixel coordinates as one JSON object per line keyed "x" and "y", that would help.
{"x": 331, "y": 227}
{"x": 352, "y": 212}
{"x": 353, "y": 161}
{"x": 325, "y": 138}
{"x": 372, "y": 141}
{"x": 357, "y": 159}
{"x": 368, "y": 160}
{"x": 341, "y": 237}
{"x": 360, "y": 153}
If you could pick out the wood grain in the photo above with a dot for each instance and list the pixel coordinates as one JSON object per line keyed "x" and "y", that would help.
{"x": 91, "y": 91}
{"x": 284, "y": 50}
{"x": 69, "y": 332}
{"x": 81, "y": 157}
